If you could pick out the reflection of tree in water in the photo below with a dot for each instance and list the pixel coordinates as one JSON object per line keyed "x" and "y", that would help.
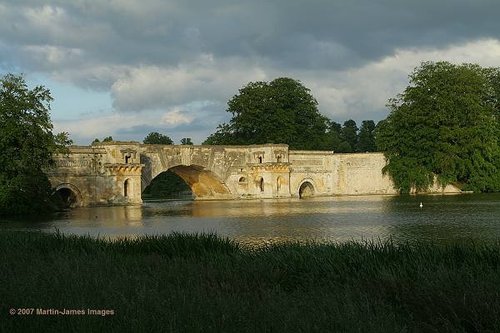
{"x": 444, "y": 218}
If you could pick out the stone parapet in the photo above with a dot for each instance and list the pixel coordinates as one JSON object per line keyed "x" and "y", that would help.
{"x": 118, "y": 172}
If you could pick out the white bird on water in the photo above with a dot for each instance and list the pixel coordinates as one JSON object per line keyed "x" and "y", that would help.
{"x": 421, "y": 204}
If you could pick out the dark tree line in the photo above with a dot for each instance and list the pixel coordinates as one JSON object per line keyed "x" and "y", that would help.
{"x": 348, "y": 138}
{"x": 156, "y": 138}
{"x": 106, "y": 139}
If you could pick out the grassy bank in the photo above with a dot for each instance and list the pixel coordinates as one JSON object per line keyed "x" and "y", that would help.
{"x": 202, "y": 283}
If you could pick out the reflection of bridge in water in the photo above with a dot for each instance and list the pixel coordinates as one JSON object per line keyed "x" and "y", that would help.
{"x": 118, "y": 172}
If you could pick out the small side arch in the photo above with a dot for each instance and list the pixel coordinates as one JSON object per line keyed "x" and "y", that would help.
{"x": 306, "y": 189}
{"x": 69, "y": 195}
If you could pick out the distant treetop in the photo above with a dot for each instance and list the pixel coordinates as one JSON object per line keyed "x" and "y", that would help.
{"x": 280, "y": 111}
{"x": 158, "y": 139}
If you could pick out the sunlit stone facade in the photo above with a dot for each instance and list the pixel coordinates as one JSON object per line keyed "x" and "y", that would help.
{"x": 118, "y": 172}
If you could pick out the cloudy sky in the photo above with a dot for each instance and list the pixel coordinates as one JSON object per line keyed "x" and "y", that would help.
{"x": 127, "y": 67}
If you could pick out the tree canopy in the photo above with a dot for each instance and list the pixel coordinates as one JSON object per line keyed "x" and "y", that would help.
{"x": 366, "y": 137}
{"x": 186, "y": 141}
{"x": 106, "y": 139}
{"x": 444, "y": 124}
{"x": 280, "y": 111}
{"x": 349, "y": 134}
{"x": 27, "y": 144}
{"x": 347, "y": 138}
{"x": 334, "y": 139}
{"x": 158, "y": 139}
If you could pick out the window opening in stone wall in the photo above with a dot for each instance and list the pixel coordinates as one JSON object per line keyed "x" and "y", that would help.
{"x": 278, "y": 158}
{"x": 242, "y": 180}
{"x": 127, "y": 159}
{"x": 261, "y": 184}
{"x": 125, "y": 188}
{"x": 260, "y": 159}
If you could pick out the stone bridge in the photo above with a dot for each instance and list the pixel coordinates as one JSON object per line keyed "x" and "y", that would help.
{"x": 118, "y": 172}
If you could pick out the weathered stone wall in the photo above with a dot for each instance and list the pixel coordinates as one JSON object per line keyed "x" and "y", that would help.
{"x": 360, "y": 174}
{"x": 94, "y": 175}
{"x": 344, "y": 174}
{"x": 81, "y": 172}
{"x": 314, "y": 167}
{"x": 118, "y": 172}
{"x": 213, "y": 172}
{"x": 258, "y": 171}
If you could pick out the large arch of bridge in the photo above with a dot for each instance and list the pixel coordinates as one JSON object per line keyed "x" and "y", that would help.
{"x": 204, "y": 183}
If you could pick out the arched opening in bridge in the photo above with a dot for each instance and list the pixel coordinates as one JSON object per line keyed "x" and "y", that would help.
{"x": 306, "y": 190}
{"x": 66, "y": 197}
{"x": 167, "y": 185}
{"x": 193, "y": 182}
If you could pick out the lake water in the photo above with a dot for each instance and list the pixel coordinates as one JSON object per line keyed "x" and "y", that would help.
{"x": 258, "y": 222}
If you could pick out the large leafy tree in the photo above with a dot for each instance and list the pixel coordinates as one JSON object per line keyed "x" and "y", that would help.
{"x": 444, "y": 124}
{"x": 158, "y": 139}
{"x": 366, "y": 137}
{"x": 280, "y": 111}
{"x": 334, "y": 136}
{"x": 27, "y": 144}
{"x": 349, "y": 134}
{"x": 335, "y": 139}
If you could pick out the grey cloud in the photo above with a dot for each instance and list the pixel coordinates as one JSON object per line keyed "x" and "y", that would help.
{"x": 205, "y": 120}
{"x": 204, "y": 79}
{"x": 197, "y": 132}
{"x": 283, "y": 32}
{"x": 139, "y": 130}
{"x": 156, "y": 55}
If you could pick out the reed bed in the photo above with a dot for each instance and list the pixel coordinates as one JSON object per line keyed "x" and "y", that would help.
{"x": 194, "y": 283}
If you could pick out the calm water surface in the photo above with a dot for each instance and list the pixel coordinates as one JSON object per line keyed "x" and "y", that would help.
{"x": 339, "y": 219}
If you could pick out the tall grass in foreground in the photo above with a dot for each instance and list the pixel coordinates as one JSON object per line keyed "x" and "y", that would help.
{"x": 204, "y": 283}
